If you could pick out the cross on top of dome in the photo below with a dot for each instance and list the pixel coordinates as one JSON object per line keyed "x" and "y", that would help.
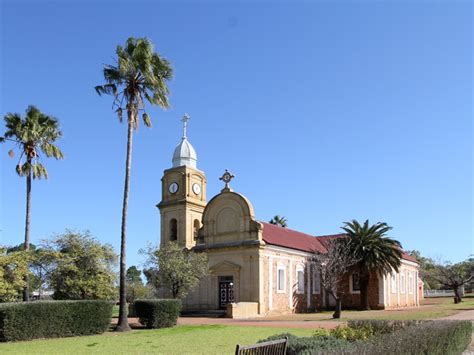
{"x": 184, "y": 153}
{"x": 185, "y": 120}
{"x": 227, "y": 177}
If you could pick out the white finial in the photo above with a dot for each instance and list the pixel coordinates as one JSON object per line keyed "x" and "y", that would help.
{"x": 185, "y": 120}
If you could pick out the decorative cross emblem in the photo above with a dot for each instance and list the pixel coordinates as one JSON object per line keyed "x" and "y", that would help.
{"x": 185, "y": 120}
{"x": 226, "y": 177}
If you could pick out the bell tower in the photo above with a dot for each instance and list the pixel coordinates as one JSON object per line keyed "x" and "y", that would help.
{"x": 183, "y": 191}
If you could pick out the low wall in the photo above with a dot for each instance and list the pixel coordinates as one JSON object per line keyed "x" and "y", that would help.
{"x": 242, "y": 310}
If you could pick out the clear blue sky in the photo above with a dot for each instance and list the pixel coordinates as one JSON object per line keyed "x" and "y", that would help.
{"x": 324, "y": 111}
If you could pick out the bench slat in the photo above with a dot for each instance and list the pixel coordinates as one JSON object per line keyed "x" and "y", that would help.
{"x": 273, "y": 347}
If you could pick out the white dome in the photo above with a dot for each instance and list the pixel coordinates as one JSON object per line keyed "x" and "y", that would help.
{"x": 184, "y": 154}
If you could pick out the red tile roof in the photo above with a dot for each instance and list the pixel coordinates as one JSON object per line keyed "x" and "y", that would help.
{"x": 288, "y": 238}
{"x": 409, "y": 257}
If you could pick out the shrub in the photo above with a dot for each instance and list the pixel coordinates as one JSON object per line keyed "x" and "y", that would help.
{"x": 429, "y": 337}
{"x": 53, "y": 319}
{"x": 309, "y": 345}
{"x": 157, "y": 313}
{"x": 394, "y": 337}
{"x": 382, "y": 326}
{"x": 353, "y": 334}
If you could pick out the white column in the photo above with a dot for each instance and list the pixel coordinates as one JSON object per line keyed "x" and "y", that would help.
{"x": 308, "y": 284}
{"x": 407, "y": 279}
{"x": 290, "y": 289}
{"x": 417, "y": 296}
{"x": 397, "y": 277}
{"x": 270, "y": 283}
{"x": 261, "y": 290}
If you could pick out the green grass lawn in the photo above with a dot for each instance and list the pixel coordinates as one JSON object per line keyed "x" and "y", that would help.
{"x": 215, "y": 339}
{"x": 432, "y": 308}
{"x": 204, "y": 339}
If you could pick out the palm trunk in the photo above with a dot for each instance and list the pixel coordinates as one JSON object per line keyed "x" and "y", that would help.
{"x": 26, "y": 290}
{"x": 364, "y": 291}
{"x": 122, "y": 325}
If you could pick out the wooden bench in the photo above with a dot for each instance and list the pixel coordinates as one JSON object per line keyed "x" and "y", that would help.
{"x": 274, "y": 347}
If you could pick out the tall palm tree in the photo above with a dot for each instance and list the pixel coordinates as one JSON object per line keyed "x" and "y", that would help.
{"x": 376, "y": 253}
{"x": 33, "y": 134}
{"x": 279, "y": 221}
{"x": 139, "y": 74}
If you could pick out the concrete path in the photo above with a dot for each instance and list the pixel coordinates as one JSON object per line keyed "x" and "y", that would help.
{"x": 464, "y": 315}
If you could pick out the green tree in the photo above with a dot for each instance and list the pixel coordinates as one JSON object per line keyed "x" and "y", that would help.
{"x": 140, "y": 75}
{"x": 427, "y": 268}
{"x": 279, "y": 221}
{"x": 84, "y": 268}
{"x": 133, "y": 274}
{"x": 33, "y": 134}
{"x": 135, "y": 287}
{"x": 42, "y": 265}
{"x": 454, "y": 276}
{"x": 13, "y": 272}
{"x": 35, "y": 279}
{"x": 376, "y": 253}
{"x": 175, "y": 269}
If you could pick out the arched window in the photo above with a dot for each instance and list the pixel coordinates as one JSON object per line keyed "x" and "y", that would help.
{"x": 196, "y": 227}
{"x": 173, "y": 229}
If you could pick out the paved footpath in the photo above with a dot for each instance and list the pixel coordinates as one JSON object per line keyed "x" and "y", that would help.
{"x": 465, "y": 315}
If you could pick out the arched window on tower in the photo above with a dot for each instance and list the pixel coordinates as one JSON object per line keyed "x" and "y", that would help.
{"x": 173, "y": 229}
{"x": 196, "y": 227}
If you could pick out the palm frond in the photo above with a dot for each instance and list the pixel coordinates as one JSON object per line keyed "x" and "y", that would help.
{"x": 32, "y": 134}
{"x": 146, "y": 119}
{"x": 370, "y": 244}
{"x": 140, "y": 73}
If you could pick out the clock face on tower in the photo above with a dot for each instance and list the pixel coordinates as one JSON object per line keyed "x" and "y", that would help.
{"x": 196, "y": 188}
{"x": 173, "y": 188}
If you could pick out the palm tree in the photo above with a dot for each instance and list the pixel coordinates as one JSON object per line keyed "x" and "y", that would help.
{"x": 33, "y": 134}
{"x": 279, "y": 221}
{"x": 376, "y": 253}
{"x": 140, "y": 74}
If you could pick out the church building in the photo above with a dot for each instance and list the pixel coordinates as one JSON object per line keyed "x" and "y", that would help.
{"x": 257, "y": 268}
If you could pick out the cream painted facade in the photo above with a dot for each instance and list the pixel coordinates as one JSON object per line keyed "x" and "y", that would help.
{"x": 247, "y": 263}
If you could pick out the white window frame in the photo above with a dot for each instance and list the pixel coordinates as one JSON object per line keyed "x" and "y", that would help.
{"x": 402, "y": 281}
{"x": 299, "y": 268}
{"x": 282, "y": 267}
{"x": 351, "y": 285}
{"x": 410, "y": 283}
{"x": 316, "y": 280}
{"x": 393, "y": 280}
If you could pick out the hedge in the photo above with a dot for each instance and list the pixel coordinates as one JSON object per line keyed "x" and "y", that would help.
{"x": 53, "y": 319}
{"x": 157, "y": 313}
{"x": 441, "y": 337}
{"x": 389, "y": 337}
{"x": 305, "y": 345}
{"x": 383, "y": 326}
